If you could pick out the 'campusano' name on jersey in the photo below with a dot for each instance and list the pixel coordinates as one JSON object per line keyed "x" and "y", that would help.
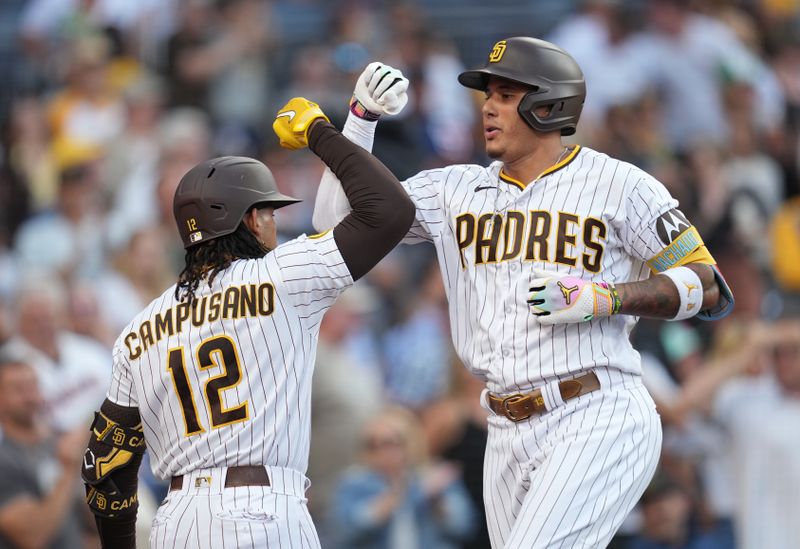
{"x": 248, "y": 300}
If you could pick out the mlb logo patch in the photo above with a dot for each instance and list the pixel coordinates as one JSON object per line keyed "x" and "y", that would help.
{"x": 196, "y": 236}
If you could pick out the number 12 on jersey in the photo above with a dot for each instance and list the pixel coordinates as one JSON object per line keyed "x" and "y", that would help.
{"x": 219, "y": 351}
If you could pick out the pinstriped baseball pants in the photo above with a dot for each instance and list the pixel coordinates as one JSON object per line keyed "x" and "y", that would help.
{"x": 569, "y": 477}
{"x": 205, "y": 515}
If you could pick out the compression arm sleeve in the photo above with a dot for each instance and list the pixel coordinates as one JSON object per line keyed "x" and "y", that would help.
{"x": 332, "y": 205}
{"x": 382, "y": 211}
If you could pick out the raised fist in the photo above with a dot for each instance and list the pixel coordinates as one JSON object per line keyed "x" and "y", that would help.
{"x": 293, "y": 121}
{"x": 380, "y": 89}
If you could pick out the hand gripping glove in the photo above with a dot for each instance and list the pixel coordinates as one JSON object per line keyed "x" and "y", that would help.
{"x": 293, "y": 121}
{"x": 558, "y": 299}
{"x": 380, "y": 89}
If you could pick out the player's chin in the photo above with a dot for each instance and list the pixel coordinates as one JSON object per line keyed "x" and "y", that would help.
{"x": 493, "y": 151}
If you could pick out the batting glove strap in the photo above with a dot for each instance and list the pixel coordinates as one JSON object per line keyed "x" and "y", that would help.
{"x": 557, "y": 299}
{"x": 361, "y": 111}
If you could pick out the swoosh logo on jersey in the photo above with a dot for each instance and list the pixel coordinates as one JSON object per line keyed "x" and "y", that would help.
{"x": 483, "y": 188}
{"x": 288, "y": 114}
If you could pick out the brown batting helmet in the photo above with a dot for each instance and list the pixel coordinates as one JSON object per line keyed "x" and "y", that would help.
{"x": 553, "y": 74}
{"x": 212, "y": 198}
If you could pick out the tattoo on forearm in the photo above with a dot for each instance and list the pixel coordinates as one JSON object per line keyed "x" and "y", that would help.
{"x": 657, "y": 297}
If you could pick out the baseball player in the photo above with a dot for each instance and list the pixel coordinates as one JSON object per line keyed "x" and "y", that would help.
{"x": 214, "y": 376}
{"x": 548, "y": 256}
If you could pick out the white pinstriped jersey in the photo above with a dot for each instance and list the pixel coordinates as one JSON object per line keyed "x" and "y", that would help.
{"x": 589, "y": 216}
{"x": 227, "y": 382}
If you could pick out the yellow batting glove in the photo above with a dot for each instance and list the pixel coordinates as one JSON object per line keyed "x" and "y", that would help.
{"x": 293, "y": 120}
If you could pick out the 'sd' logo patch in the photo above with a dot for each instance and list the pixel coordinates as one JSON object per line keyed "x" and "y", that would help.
{"x": 497, "y": 52}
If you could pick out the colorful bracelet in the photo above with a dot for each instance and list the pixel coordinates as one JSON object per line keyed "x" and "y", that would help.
{"x": 617, "y": 300}
{"x": 358, "y": 109}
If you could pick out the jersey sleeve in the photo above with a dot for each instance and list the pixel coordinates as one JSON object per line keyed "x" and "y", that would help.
{"x": 314, "y": 273}
{"x": 424, "y": 191}
{"x": 659, "y": 234}
{"x": 122, "y": 390}
{"x": 648, "y": 200}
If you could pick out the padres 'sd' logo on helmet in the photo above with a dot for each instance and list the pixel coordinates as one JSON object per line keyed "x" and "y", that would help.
{"x": 497, "y": 52}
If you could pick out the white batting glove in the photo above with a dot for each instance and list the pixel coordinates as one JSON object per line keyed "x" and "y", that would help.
{"x": 559, "y": 299}
{"x": 380, "y": 89}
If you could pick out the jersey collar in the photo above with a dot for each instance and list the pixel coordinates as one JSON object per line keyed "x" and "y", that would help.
{"x": 554, "y": 168}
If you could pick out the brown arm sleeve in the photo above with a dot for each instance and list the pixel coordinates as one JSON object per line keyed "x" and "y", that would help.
{"x": 382, "y": 211}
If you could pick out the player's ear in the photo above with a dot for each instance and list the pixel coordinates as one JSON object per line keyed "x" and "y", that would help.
{"x": 250, "y": 219}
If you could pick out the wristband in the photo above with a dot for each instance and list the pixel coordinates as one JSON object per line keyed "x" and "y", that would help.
{"x": 690, "y": 289}
{"x": 603, "y": 300}
{"x": 617, "y": 300}
{"x": 358, "y": 109}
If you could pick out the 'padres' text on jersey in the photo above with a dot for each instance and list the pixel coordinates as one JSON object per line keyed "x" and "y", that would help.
{"x": 589, "y": 216}
{"x": 227, "y": 380}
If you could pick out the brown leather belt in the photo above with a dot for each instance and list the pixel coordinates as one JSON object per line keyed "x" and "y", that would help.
{"x": 243, "y": 475}
{"x": 518, "y": 407}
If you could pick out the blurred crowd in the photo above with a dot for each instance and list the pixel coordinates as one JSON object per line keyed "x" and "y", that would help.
{"x": 105, "y": 104}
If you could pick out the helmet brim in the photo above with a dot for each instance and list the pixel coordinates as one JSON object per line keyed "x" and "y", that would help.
{"x": 478, "y": 79}
{"x": 279, "y": 201}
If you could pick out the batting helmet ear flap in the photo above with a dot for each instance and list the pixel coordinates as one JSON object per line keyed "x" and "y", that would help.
{"x": 563, "y": 113}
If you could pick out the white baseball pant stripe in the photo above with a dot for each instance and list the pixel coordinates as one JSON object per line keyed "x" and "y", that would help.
{"x": 204, "y": 514}
{"x": 569, "y": 477}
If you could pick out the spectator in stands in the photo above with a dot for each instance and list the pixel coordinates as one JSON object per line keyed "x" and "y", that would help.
{"x": 666, "y": 521}
{"x": 394, "y": 500}
{"x": 144, "y": 199}
{"x": 345, "y": 395}
{"x": 73, "y": 371}
{"x": 83, "y": 315}
{"x": 69, "y": 239}
{"x": 30, "y": 170}
{"x": 753, "y": 388}
{"x": 418, "y": 349}
{"x": 598, "y": 37}
{"x": 40, "y": 503}
{"x": 685, "y": 50}
{"x": 456, "y": 430}
{"x": 87, "y": 111}
{"x": 138, "y": 143}
{"x": 139, "y": 272}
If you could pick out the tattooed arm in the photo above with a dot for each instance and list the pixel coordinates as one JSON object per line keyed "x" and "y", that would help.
{"x": 675, "y": 294}
{"x": 657, "y": 297}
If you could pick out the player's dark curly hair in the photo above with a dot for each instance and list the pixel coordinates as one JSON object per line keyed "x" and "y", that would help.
{"x": 205, "y": 261}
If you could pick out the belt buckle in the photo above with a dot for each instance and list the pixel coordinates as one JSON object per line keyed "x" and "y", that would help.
{"x": 513, "y": 399}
